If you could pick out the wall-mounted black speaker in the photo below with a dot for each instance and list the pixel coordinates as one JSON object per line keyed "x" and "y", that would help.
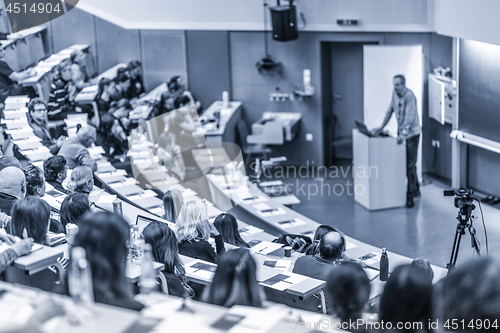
{"x": 284, "y": 20}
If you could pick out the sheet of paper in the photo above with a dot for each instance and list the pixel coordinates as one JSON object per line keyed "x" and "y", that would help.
{"x": 244, "y": 319}
{"x": 371, "y": 259}
{"x": 282, "y": 265}
{"x": 283, "y": 281}
{"x": 201, "y": 269}
{"x": 290, "y": 223}
{"x": 272, "y": 212}
{"x": 261, "y": 206}
{"x": 265, "y": 247}
{"x": 249, "y": 230}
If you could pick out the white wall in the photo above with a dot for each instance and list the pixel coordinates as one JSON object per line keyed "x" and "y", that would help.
{"x": 469, "y": 19}
{"x": 248, "y": 15}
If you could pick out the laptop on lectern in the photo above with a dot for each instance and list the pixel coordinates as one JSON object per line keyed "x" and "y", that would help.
{"x": 362, "y": 128}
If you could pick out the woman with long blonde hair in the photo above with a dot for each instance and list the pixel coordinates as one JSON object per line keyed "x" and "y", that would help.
{"x": 193, "y": 231}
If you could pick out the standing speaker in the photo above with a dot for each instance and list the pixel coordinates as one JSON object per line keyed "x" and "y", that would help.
{"x": 284, "y": 20}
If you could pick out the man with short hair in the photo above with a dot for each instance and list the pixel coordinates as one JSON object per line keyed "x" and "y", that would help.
{"x": 55, "y": 172}
{"x": 331, "y": 249}
{"x": 404, "y": 106}
{"x": 75, "y": 149}
{"x": 12, "y": 187}
{"x": 7, "y": 161}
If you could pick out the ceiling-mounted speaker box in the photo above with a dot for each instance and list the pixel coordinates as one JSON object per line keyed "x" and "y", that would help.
{"x": 284, "y": 19}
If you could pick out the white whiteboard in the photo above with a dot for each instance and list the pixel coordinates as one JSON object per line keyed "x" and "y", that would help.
{"x": 380, "y": 64}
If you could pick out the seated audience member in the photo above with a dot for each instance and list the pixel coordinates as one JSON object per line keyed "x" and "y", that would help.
{"x": 134, "y": 69}
{"x": 7, "y": 147}
{"x": 7, "y": 161}
{"x": 38, "y": 122}
{"x": 166, "y": 251}
{"x": 318, "y": 234}
{"x": 14, "y": 249}
{"x": 193, "y": 231}
{"x": 235, "y": 282}
{"x": 122, "y": 83}
{"x": 31, "y": 218}
{"x": 426, "y": 265}
{"x": 9, "y": 79}
{"x": 115, "y": 128}
{"x": 331, "y": 249}
{"x": 348, "y": 289}
{"x": 104, "y": 237}
{"x": 12, "y": 188}
{"x": 55, "y": 172}
{"x": 164, "y": 105}
{"x": 227, "y": 225}
{"x": 82, "y": 180}
{"x": 35, "y": 181}
{"x": 172, "y": 204}
{"x": 106, "y": 94}
{"x": 59, "y": 98}
{"x": 73, "y": 207}
{"x": 79, "y": 74}
{"x": 177, "y": 88}
{"x": 407, "y": 298}
{"x": 469, "y": 294}
{"x": 75, "y": 149}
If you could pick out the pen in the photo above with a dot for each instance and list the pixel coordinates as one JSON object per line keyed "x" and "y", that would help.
{"x": 263, "y": 249}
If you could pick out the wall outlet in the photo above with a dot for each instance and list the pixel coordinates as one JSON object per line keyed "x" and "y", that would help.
{"x": 309, "y": 137}
{"x": 436, "y": 143}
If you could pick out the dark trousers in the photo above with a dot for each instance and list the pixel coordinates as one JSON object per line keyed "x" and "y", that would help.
{"x": 411, "y": 165}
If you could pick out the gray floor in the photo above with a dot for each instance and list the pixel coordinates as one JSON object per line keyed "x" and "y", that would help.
{"x": 427, "y": 230}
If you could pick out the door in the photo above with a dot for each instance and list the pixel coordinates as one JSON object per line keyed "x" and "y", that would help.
{"x": 347, "y": 95}
{"x": 380, "y": 64}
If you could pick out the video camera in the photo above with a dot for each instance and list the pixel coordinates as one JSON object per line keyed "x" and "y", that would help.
{"x": 462, "y": 197}
{"x": 463, "y": 201}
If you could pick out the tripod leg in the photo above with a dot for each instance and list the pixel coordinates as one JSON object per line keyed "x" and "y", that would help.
{"x": 474, "y": 241}
{"x": 451, "y": 264}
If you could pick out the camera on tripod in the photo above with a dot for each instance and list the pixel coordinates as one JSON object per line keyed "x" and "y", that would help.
{"x": 462, "y": 197}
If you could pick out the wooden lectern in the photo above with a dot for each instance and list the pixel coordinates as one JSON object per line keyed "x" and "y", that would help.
{"x": 379, "y": 171}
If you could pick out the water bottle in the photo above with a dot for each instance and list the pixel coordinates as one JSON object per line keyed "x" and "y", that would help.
{"x": 80, "y": 278}
{"x": 136, "y": 246}
{"x": 147, "y": 281}
{"x": 258, "y": 170}
{"x": 117, "y": 207}
{"x": 384, "y": 266}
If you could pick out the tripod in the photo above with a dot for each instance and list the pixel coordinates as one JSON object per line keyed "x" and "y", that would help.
{"x": 464, "y": 222}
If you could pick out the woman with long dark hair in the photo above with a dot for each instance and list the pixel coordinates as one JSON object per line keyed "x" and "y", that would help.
{"x": 234, "y": 282}
{"x": 166, "y": 250}
{"x": 73, "y": 207}
{"x": 228, "y": 228}
{"x": 104, "y": 236}
{"x": 172, "y": 204}
{"x": 407, "y": 297}
{"x": 33, "y": 215}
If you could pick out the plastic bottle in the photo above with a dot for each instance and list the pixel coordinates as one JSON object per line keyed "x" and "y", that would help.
{"x": 258, "y": 170}
{"x": 80, "y": 278}
{"x": 147, "y": 281}
{"x": 384, "y": 265}
{"x": 117, "y": 207}
{"x": 136, "y": 246}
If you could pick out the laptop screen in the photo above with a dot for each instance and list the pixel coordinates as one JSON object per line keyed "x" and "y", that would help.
{"x": 142, "y": 222}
